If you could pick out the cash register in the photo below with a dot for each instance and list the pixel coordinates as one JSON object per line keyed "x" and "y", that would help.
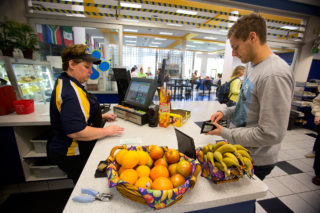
{"x": 138, "y": 98}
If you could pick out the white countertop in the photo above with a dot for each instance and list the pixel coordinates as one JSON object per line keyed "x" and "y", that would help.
{"x": 39, "y": 117}
{"x": 205, "y": 194}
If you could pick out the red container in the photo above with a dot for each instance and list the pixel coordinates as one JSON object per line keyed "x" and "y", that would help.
{"x": 7, "y": 96}
{"x": 24, "y": 106}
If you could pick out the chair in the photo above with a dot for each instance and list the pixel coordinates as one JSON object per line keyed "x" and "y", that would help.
{"x": 188, "y": 87}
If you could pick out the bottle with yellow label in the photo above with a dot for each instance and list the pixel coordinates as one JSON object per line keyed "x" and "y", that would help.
{"x": 164, "y": 107}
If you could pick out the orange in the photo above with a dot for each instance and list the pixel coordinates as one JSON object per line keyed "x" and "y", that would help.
{"x": 143, "y": 171}
{"x": 159, "y": 171}
{"x": 144, "y": 182}
{"x": 177, "y": 180}
{"x": 120, "y": 154}
{"x": 161, "y": 161}
{"x": 143, "y": 157}
{"x": 121, "y": 170}
{"x": 130, "y": 159}
{"x": 156, "y": 152}
{"x": 162, "y": 183}
{"x": 129, "y": 175}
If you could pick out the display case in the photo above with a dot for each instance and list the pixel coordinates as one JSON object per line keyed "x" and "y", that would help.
{"x": 301, "y": 105}
{"x": 30, "y": 79}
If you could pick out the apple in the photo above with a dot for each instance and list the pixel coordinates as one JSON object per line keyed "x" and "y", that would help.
{"x": 172, "y": 169}
{"x": 172, "y": 156}
{"x": 150, "y": 162}
{"x": 161, "y": 161}
{"x": 184, "y": 168}
{"x": 177, "y": 180}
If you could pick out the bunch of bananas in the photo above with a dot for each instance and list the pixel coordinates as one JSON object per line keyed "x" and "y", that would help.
{"x": 228, "y": 158}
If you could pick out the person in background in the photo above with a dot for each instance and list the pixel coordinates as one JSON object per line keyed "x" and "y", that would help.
{"x": 141, "y": 74}
{"x": 316, "y": 165}
{"x": 312, "y": 154}
{"x": 3, "y": 82}
{"x": 259, "y": 121}
{"x": 234, "y": 87}
{"x": 134, "y": 73}
{"x": 75, "y": 114}
{"x": 195, "y": 79}
{"x": 217, "y": 81}
{"x": 208, "y": 82}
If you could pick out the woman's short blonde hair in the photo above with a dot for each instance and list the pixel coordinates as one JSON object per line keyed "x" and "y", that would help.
{"x": 238, "y": 70}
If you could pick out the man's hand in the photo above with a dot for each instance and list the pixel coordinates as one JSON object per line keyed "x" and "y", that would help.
{"x": 216, "y": 117}
{"x": 317, "y": 120}
{"x": 216, "y": 131}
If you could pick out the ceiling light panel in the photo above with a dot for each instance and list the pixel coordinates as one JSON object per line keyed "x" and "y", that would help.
{"x": 188, "y": 12}
{"x": 160, "y": 39}
{"x": 210, "y": 38}
{"x": 123, "y": 4}
{"x": 165, "y": 33}
{"x": 130, "y": 30}
{"x": 128, "y": 36}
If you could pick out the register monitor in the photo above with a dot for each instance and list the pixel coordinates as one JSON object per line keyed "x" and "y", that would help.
{"x": 122, "y": 77}
{"x": 140, "y": 93}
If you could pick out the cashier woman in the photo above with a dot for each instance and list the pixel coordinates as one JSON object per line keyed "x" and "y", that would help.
{"x": 75, "y": 114}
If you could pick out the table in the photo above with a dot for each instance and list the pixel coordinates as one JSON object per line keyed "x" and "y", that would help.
{"x": 204, "y": 195}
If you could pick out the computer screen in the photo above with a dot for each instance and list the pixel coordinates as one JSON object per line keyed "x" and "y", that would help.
{"x": 140, "y": 93}
{"x": 185, "y": 144}
{"x": 122, "y": 77}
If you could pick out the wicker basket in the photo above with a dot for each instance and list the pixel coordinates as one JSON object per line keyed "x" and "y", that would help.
{"x": 156, "y": 199}
{"x": 218, "y": 176}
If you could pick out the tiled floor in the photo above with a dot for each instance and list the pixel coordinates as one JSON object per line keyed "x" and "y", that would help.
{"x": 290, "y": 186}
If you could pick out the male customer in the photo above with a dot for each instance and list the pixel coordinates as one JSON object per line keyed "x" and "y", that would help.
{"x": 259, "y": 120}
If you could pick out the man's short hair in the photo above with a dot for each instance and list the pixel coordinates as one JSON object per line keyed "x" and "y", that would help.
{"x": 249, "y": 23}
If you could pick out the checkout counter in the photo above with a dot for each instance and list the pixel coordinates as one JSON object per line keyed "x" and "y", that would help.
{"x": 237, "y": 196}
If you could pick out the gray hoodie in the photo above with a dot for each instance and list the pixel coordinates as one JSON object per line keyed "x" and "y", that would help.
{"x": 260, "y": 119}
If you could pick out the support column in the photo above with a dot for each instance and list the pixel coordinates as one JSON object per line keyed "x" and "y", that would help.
{"x": 305, "y": 57}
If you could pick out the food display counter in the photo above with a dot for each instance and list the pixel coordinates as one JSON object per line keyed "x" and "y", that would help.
{"x": 205, "y": 195}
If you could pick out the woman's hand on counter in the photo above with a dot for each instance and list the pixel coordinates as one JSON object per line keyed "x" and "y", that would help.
{"x": 113, "y": 130}
{"x": 91, "y": 133}
{"x": 109, "y": 117}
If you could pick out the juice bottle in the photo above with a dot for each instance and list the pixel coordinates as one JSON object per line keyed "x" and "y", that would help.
{"x": 164, "y": 107}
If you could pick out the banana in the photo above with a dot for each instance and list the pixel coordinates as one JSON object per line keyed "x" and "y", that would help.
{"x": 218, "y": 144}
{"x": 248, "y": 164}
{"x": 210, "y": 158}
{"x": 239, "y": 157}
{"x": 218, "y": 156}
{"x": 210, "y": 146}
{"x": 223, "y": 167}
{"x": 205, "y": 158}
{"x": 164, "y": 195}
{"x": 239, "y": 147}
{"x": 205, "y": 149}
{"x": 226, "y": 148}
{"x": 244, "y": 154}
{"x": 231, "y": 155}
{"x": 231, "y": 162}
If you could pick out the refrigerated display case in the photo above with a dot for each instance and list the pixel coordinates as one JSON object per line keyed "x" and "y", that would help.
{"x": 31, "y": 79}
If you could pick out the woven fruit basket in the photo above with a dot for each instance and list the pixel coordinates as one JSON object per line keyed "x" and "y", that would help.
{"x": 223, "y": 162}
{"x": 156, "y": 199}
